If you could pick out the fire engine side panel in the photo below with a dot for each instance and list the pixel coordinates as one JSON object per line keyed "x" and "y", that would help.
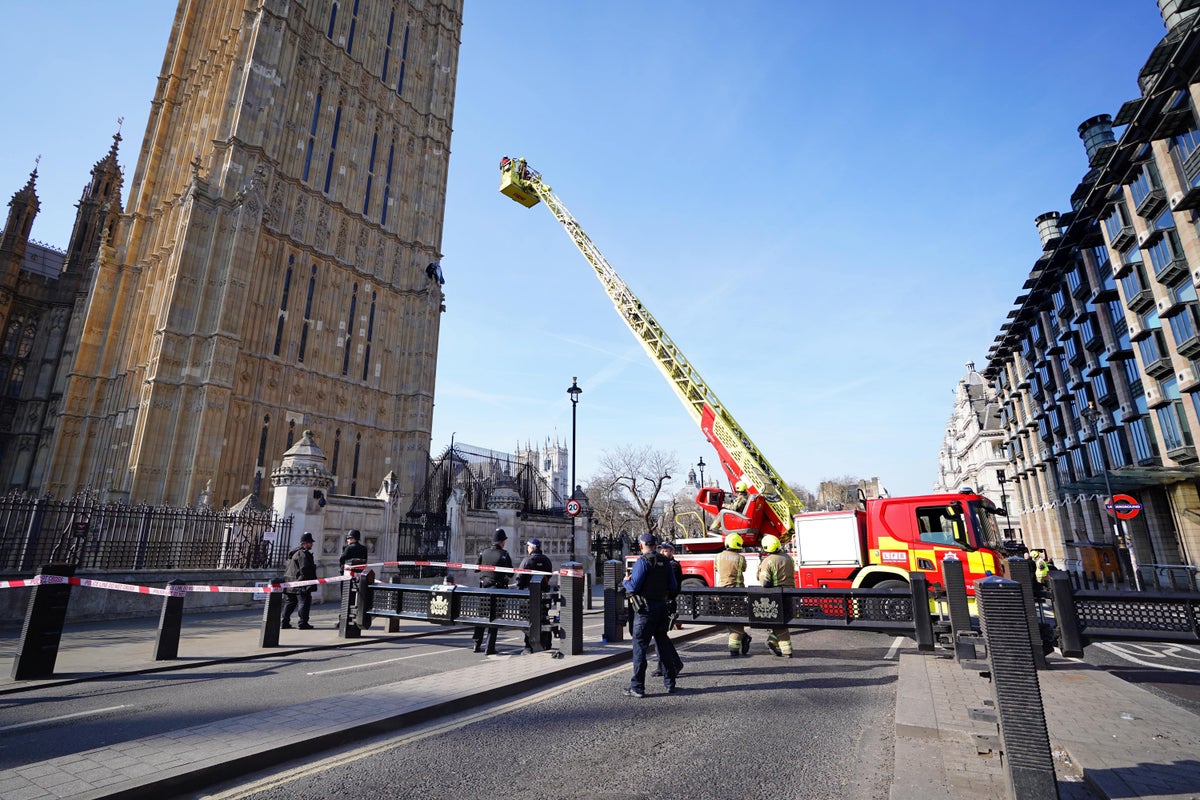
{"x": 829, "y": 539}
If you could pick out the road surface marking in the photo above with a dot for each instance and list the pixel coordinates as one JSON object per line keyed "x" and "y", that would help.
{"x": 376, "y": 663}
{"x": 1123, "y": 651}
{"x": 48, "y": 720}
{"x": 895, "y": 648}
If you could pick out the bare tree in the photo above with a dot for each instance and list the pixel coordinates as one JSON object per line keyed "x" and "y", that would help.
{"x": 805, "y": 496}
{"x": 638, "y": 474}
{"x": 688, "y": 522}
{"x": 611, "y": 514}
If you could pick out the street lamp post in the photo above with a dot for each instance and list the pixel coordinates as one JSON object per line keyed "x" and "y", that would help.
{"x": 573, "y": 391}
{"x": 1092, "y": 415}
{"x": 703, "y": 513}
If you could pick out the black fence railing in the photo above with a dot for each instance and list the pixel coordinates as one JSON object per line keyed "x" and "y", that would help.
{"x": 107, "y": 536}
{"x": 422, "y": 541}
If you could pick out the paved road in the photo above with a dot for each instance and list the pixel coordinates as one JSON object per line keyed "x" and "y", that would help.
{"x": 817, "y": 726}
{"x": 61, "y": 720}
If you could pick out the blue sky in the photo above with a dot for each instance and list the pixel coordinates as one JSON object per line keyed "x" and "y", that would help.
{"x": 830, "y": 211}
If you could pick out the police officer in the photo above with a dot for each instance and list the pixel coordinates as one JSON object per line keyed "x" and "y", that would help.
{"x": 667, "y": 550}
{"x": 731, "y": 568}
{"x": 650, "y": 583}
{"x": 354, "y": 552}
{"x": 494, "y": 556}
{"x": 301, "y": 567}
{"x": 538, "y": 561}
{"x": 776, "y": 569}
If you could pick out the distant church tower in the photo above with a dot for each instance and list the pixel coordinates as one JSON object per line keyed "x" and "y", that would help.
{"x": 275, "y": 269}
{"x": 553, "y": 465}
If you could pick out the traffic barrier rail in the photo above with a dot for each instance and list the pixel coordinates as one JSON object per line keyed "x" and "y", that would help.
{"x": 1086, "y": 616}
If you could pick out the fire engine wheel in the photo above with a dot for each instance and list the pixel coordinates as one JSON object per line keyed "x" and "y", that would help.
{"x": 897, "y": 609}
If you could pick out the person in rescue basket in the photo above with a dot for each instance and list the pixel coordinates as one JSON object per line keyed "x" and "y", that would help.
{"x": 301, "y": 567}
{"x": 650, "y": 583}
{"x": 731, "y": 567}
{"x": 494, "y": 556}
{"x": 777, "y": 570}
{"x": 534, "y": 560}
{"x": 667, "y": 551}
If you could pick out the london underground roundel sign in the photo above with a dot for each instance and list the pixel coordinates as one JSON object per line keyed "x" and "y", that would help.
{"x": 1123, "y": 506}
{"x": 573, "y": 508}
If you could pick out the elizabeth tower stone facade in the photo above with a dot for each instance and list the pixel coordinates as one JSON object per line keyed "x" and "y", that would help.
{"x": 275, "y": 268}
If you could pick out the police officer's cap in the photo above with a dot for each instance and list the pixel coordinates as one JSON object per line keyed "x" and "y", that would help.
{"x": 499, "y": 536}
{"x": 534, "y": 543}
{"x": 307, "y": 537}
{"x": 648, "y": 538}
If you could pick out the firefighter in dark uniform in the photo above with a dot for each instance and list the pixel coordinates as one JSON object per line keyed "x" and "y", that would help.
{"x": 494, "y": 556}
{"x": 650, "y": 584}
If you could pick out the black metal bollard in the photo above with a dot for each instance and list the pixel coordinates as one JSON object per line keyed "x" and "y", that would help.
{"x": 347, "y": 627}
{"x": 535, "y": 615}
{"x": 922, "y": 619}
{"x": 960, "y": 612}
{"x": 1020, "y": 570}
{"x": 1023, "y": 734}
{"x": 571, "y": 590}
{"x": 170, "y": 623}
{"x": 614, "y": 601}
{"x": 1070, "y": 638}
{"x": 363, "y": 595}
{"x": 42, "y": 631}
{"x": 272, "y": 616}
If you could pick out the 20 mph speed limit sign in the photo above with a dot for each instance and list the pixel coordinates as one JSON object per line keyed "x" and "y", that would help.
{"x": 573, "y": 508}
{"x": 1123, "y": 506}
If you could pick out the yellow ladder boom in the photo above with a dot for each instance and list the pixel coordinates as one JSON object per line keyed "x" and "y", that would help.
{"x": 741, "y": 458}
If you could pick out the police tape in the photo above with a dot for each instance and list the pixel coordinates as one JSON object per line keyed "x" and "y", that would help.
{"x": 174, "y": 591}
{"x": 570, "y": 573}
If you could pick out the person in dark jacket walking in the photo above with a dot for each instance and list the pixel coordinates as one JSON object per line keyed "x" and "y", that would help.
{"x": 534, "y": 560}
{"x": 650, "y": 583}
{"x": 494, "y": 556}
{"x": 354, "y": 552}
{"x": 301, "y": 567}
{"x": 667, "y": 550}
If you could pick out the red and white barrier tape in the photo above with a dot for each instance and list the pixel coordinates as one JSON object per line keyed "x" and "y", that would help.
{"x": 178, "y": 590}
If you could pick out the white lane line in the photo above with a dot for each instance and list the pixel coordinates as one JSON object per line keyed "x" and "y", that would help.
{"x": 895, "y": 648}
{"x": 48, "y": 720}
{"x": 376, "y": 663}
{"x": 1120, "y": 652}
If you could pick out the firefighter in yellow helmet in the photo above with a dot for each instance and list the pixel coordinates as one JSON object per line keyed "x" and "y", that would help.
{"x": 776, "y": 570}
{"x": 737, "y": 503}
{"x": 731, "y": 569}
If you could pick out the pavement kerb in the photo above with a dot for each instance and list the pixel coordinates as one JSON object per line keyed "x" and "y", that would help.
{"x": 222, "y": 768}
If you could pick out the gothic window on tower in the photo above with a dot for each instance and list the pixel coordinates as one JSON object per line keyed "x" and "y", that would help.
{"x": 337, "y": 449}
{"x": 370, "y": 335}
{"x": 12, "y": 335}
{"x": 16, "y": 378}
{"x": 403, "y": 60}
{"x": 353, "y": 22}
{"x": 370, "y": 174}
{"x": 387, "y": 184}
{"x": 354, "y": 467}
{"x": 337, "y": 124}
{"x": 312, "y": 287}
{"x": 332, "y": 20}
{"x": 283, "y": 301}
{"x": 387, "y": 46}
{"x": 312, "y": 137}
{"x": 262, "y": 441}
{"x": 349, "y": 331}
{"x": 291, "y": 440}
